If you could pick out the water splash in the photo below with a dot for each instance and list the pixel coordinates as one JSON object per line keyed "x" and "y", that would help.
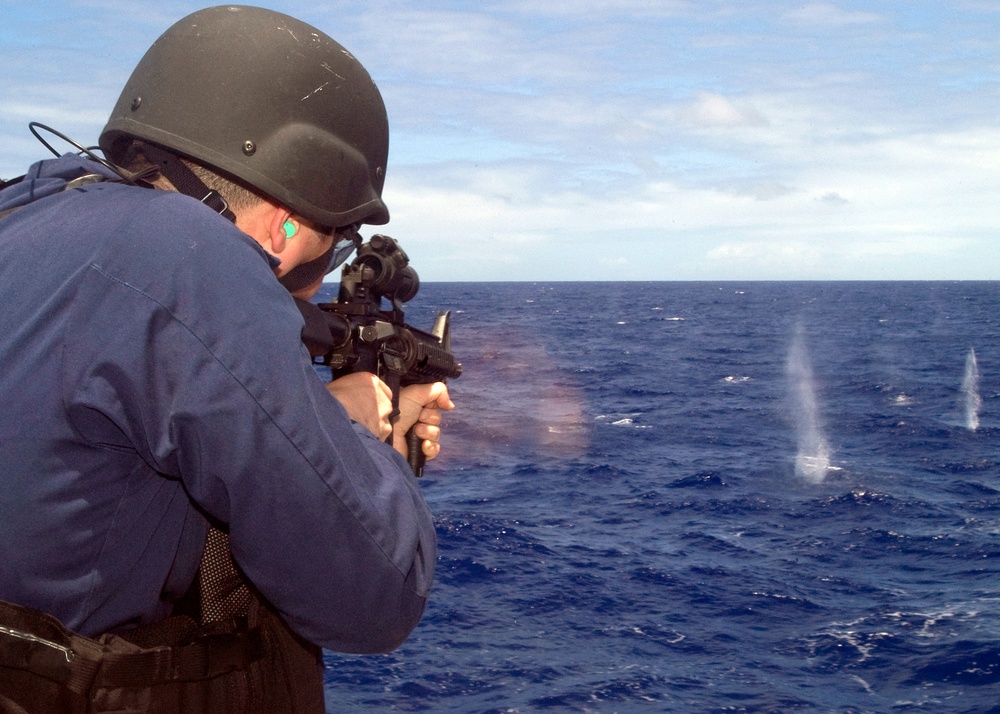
{"x": 812, "y": 460}
{"x": 970, "y": 392}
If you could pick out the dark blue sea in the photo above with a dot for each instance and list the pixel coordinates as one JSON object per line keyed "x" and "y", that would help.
{"x": 709, "y": 497}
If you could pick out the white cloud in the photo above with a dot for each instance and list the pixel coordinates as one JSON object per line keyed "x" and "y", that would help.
{"x": 715, "y": 110}
{"x": 849, "y": 210}
{"x": 830, "y": 15}
{"x": 784, "y": 255}
{"x": 592, "y": 8}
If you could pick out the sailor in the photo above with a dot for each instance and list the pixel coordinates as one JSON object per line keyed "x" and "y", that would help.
{"x": 157, "y": 397}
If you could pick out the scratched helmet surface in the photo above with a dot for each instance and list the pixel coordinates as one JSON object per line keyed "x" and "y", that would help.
{"x": 268, "y": 99}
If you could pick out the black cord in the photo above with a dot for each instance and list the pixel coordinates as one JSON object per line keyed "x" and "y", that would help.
{"x": 88, "y": 152}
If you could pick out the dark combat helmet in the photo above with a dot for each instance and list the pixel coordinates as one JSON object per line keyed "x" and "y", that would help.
{"x": 268, "y": 99}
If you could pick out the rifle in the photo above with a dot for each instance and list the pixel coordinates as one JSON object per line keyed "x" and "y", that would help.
{"x": 355, "y": 333}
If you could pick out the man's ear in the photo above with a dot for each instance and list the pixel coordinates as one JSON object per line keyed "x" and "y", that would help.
{"x": 278, "y": 232}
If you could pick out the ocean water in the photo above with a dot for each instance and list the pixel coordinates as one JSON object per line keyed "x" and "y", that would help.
{"x": 709, "y": 497}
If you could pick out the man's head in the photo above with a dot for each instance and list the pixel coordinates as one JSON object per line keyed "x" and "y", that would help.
{"x": 267, "y": 100}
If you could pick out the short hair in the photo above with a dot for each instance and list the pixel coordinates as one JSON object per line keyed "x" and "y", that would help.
{"x": 238, "y": 194}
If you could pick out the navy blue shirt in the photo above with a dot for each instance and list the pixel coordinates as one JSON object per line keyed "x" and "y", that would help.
{"x": 151, "y": 370}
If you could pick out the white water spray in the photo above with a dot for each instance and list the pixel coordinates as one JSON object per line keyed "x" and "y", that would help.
{"x": 812, "y": 460}
{"x": 970, "y": 392}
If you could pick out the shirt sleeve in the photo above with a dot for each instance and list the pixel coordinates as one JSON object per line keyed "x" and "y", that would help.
{"x": 205, "y": 376}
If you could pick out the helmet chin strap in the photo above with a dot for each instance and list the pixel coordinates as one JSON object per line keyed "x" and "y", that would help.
{"x": 302, "y": 276}
{"x": 185, "y": 181}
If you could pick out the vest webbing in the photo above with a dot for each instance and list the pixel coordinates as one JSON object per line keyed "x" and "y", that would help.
{"x": 240, "y": 658}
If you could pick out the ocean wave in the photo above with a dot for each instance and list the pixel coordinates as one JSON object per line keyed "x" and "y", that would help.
{"x": 736, "y": 379}
{"x": 622, "y": 420}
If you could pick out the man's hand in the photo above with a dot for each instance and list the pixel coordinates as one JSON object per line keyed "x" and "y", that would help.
{"x": 420, "y": 407}
{"x": 367, "y": 399}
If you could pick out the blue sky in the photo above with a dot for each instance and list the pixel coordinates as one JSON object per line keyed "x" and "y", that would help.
{"x": 623, "y": 140}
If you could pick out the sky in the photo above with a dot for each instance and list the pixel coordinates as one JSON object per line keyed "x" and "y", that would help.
{"x": 622, "y": 139}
